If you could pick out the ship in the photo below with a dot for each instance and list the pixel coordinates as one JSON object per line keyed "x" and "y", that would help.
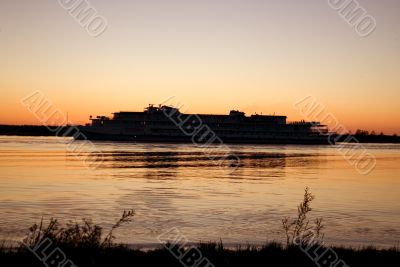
{"x": 164, "y": 123}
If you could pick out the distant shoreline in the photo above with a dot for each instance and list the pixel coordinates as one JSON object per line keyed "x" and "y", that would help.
{"x": 39, "y": 130}
{"x": 34, "y": 130}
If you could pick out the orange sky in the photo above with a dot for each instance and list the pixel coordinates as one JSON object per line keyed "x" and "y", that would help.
{"x": 256, "y": 56}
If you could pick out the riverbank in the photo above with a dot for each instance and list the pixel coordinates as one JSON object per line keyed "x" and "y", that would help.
{"x": 269, "y": 255}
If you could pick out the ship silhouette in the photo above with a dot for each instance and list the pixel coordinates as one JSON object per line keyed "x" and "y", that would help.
{"x": 167, "y": 124}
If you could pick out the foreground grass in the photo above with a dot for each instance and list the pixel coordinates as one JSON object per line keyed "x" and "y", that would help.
{"x": 269, "y": 255}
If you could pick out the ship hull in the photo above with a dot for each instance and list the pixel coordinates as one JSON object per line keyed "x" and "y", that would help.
{"x": 86, "y": 134}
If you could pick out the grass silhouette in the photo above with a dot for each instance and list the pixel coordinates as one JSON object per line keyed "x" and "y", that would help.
{"x": 299, "y": 231}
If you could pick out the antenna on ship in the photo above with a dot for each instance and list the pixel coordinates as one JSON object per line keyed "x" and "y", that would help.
{"x": 67, "y": 119}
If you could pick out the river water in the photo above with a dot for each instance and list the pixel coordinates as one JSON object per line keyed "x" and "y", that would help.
{"x": 183, "y": 186}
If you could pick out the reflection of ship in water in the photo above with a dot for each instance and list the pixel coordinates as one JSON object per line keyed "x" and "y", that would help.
{"x": 161, "y": 159}
{"x": 268, "y": 163}
{"x": 167, "y": 124}
{"x": 149, "y": 159}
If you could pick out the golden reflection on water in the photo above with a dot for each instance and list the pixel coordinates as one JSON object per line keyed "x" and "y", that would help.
{"x": 178, "y": 185}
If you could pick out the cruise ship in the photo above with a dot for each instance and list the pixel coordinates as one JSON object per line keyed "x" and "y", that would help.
{"x": 167, "y": 124}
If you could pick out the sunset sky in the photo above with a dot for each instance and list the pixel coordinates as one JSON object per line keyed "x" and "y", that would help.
{"x": 213, "y": 55}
